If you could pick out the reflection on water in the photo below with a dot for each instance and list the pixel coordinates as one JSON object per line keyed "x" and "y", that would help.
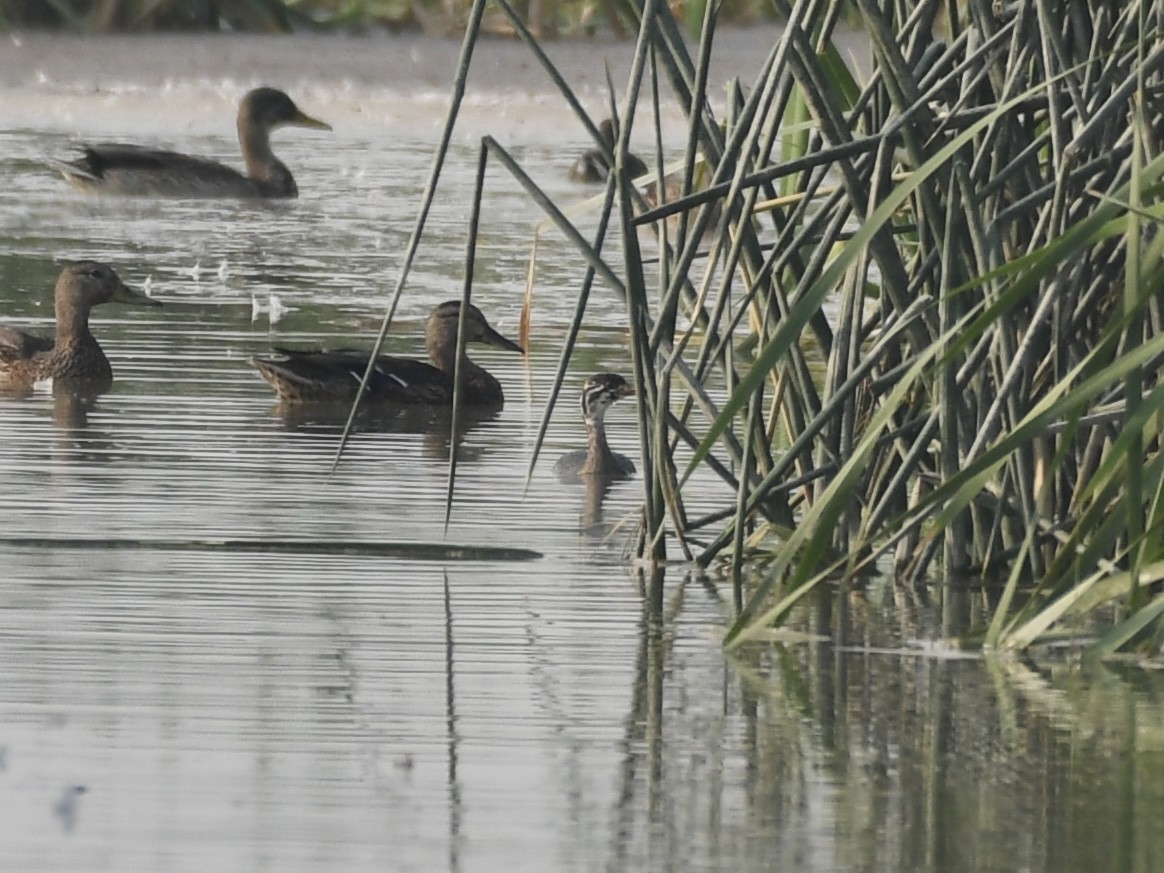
{"x": 71, "y": 411}
{"x": 213, "y": 655}
{"x": 432, "y": 428}
{"x": 593, "y": 523}
{"x": 389, "y": 713}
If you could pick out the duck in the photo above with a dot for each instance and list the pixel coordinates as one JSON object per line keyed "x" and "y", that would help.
{"x": 599, "y": 393}
{"x": 73, "y": 356}
{"x": 116, "y": 168}
{"x": 593, "y": 166}
{"x": 323, "y": 376}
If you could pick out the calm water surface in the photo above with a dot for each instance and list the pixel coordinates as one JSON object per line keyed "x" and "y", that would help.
{"x": 181, "y": 704}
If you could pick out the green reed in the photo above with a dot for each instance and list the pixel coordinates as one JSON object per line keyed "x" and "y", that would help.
{"x": 910, "y": 320}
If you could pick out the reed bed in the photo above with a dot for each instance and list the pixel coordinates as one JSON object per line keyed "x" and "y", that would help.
{"x": 910, "y": 318}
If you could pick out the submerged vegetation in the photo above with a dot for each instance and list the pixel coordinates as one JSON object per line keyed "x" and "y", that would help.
{"x": 926, "y": 323}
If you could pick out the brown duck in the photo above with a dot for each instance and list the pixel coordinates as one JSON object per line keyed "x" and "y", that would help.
{"x": 116, "y": 168}
{"x": 73, "y": 357}
{"x": 331, "y": 376}
{"x": 592, "y": 165}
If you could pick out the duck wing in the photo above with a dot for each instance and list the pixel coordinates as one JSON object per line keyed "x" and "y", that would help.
{"x": 118, "y": 168}
{"x": 19, "y": 345}
{"x": 321, "y": 376}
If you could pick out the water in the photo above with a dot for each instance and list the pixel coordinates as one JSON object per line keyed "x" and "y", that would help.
{"x": 184, "y": 700}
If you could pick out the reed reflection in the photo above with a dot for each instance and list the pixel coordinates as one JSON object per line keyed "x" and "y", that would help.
{"x": 453, "y": 736}
{"x": 642, "y": 801}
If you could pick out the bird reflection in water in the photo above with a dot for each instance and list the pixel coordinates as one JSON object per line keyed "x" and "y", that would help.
{"x": 76, "y": 439}
{"x": 433, "y": 425}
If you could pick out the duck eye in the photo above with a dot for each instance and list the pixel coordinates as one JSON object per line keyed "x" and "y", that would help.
{"x": 95, "y": 273}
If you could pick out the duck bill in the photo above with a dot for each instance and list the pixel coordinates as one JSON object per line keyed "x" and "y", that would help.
{"x": 305, "y": 120}
{"x": 493, "y": 338}
{"x": 125, "y": 294}
{"x": 625, "y": 390}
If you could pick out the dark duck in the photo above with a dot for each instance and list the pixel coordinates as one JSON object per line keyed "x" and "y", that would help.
{"x": 116, "y": 168}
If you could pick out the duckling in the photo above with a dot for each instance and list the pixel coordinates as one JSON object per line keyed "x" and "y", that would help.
{"x": 598, "y": 394}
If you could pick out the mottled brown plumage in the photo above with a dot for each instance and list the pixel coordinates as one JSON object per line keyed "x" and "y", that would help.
{"x": 73, "y": 357}
{"x": 116, "y": 168}
{"x": 330, "y": 376}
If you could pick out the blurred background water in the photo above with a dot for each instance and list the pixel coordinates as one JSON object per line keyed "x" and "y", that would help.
{"x": 180, "y": 703}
